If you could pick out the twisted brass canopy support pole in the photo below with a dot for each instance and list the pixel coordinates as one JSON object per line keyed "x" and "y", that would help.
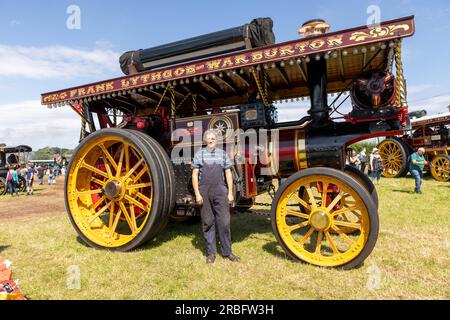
{"x": 160, "y": 100}
{"x": 401, "y": 84}
{"x": 261, "y": 90}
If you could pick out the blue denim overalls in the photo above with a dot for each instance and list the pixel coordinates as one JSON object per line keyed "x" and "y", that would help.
{"x": 215, "y": 209}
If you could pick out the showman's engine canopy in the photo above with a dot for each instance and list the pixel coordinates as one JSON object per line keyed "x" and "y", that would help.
{"x": 131, "y": 172}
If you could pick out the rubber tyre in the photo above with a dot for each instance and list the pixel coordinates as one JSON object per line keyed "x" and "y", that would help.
{"x": 149, "y": 155}
{"x": 164, "y": 162}
{"x": 365, "y": 181}
{"x": 352, "y": 183}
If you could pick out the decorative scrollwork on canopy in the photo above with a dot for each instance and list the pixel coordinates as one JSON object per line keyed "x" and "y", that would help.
{"x": 378, "y": 32}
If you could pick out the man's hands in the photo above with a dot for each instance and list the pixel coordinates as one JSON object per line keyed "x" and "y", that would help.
{"x": 229, "y": 178}
{"x": 199, "y": 198}
{"x": 195, "y": 184}
{"x": 230, "y": 198}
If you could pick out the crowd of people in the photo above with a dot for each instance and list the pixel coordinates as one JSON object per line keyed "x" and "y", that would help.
{"x": 28, "y": 173}
{"x": 416, "y": 163}
{"x": 371, "y": 165}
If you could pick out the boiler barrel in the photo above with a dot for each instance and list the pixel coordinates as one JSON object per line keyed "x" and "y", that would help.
{"x": 287, "y": 154}
{"x": 296, "y": 150}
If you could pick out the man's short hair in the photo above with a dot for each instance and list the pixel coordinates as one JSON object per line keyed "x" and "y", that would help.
{"x": 421, "y": 149}
{"x": 210, "y": 132}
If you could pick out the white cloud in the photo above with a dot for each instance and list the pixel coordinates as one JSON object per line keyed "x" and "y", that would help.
{"x": 291, "y": 111}
{"x": 415, "y": 89}
{"x": 30, "y": 123}
{"x": 57, "y": 62}
{"x": 103, "y": 45}
{"x": 433, "y": 105}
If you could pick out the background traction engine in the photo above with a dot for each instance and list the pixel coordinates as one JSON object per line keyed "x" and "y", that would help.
{"x": 15, "y": 156}
{"x": 428, "y": 132}
{"x": 127, "y": 179}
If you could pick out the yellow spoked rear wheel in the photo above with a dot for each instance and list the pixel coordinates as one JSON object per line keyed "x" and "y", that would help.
{"x": 440, "y": 169}
{"x": 316, "y": 229}
{"x": 394, "y": 157}
{"x": 113, "y": 190}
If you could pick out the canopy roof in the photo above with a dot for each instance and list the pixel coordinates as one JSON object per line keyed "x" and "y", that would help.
{"x": 434, "y": 120}
{"x": 224, "y": 80}
{"x": 11, "y": 149}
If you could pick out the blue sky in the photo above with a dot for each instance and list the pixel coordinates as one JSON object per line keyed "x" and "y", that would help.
{"x": 38, "y": 53}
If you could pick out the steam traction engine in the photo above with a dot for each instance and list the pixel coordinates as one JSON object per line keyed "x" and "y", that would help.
{"x": 12, "y": 156}
{"x": 131, "y": 170}
{"x": 429, "y": 132}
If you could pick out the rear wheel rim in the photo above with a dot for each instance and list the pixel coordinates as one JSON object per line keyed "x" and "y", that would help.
{"x": 392, "y": 158}
{"x": 109, "y": 191}
{"x": 316, "y": 234}
{"x": 440, "y": 169}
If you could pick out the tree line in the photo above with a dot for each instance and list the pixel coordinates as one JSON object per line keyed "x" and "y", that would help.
{"x": 49, "y": 153}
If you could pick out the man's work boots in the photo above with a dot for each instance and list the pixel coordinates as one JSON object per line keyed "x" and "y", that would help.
{"x": 233, "y": 258}
{"x": 211, "y": 258}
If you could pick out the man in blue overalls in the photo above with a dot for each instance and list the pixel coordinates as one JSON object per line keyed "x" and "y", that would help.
{"x": 211, "y": 192}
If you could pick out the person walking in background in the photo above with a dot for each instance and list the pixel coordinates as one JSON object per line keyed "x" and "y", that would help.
{"x": 30, "y": 179}
{"x": 376, "y": 165}
{"x": 22, "y": 171}
{"x": 353, "y": 160}
{"x": 362, "y": 160}
{"x": 12, "y": 180}
{"x": 49, "y": 173}
{"x": 56, "y": 171}
{"x": 40, "y": 174}
{"x": 416, "y": 164}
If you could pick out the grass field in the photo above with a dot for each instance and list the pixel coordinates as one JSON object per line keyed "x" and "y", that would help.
{"x": 410, "y": 261}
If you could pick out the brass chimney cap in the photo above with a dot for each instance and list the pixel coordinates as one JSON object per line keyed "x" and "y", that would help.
{"x": 313, "y": 27}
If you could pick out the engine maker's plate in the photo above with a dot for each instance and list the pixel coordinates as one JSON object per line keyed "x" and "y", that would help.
{"x": 223, "y": 125}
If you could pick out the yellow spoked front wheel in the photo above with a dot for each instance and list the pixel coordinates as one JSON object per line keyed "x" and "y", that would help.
{"x": 394, "y": 157}
{"x": 316, "y": 230}
{"x": 440, "y": 167}
{"x": 115, "y": 190}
